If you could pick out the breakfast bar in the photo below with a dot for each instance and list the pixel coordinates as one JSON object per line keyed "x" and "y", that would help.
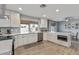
{"x": 60, "y": 38}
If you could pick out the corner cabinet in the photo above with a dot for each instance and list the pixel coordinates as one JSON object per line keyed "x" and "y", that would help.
{"x": 15, "y": 19}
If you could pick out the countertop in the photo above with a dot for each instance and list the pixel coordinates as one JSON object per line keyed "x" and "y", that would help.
{"x": 60, "y": 33}
{"x": 14, "y": 34}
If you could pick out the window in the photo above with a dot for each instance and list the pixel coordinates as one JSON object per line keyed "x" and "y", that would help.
{"x": 24, "y": 28}
{"x": 33, "y": 27}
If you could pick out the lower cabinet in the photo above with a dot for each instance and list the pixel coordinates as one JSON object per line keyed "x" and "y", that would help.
{"x": 52, "y": 37}
{"x": 6, "y": 47}
{"x": 32, "y": 38}
{"x": 20, "y": 41}
{"x": 26, "y": 39}
{"x": 16, "y": 41}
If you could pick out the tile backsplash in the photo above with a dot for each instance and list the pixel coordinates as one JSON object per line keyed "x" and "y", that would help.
{"x": 13, "y": 30}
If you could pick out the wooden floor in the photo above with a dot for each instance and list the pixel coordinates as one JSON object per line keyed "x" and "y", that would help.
{"x": 46, "y": 48}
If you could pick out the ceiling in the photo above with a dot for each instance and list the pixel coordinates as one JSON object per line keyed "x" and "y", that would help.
{"x": 49, "y": 11}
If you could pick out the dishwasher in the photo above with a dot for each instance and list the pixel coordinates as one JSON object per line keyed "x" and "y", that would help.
{"x": 40, "y": 37}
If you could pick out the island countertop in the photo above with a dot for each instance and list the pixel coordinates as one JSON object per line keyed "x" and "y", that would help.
{"x": 53, "y": 37}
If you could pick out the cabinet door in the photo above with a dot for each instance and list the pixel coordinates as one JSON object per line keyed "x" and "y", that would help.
{"x": 20, "y": 40}
{"x": 16, "y": 41}
{"x": 5, "y": 46}
{"x": 4, "y": 22}
{"x": 15, "y": 20}
{"x": 25, "y": 39}
{"x": 52, "y": 37}
{"x": 32, "y": 38}
{"x": 43, "y": 23}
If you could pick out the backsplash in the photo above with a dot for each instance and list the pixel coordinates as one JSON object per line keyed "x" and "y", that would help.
{"x": 3, "y": 30}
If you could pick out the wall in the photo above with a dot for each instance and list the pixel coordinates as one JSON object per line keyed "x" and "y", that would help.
{"x": 52, "y": 25}
{"x": 71, "y": 30}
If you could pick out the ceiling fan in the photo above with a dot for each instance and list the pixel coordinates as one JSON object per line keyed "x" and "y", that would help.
{"x": 43, "y": 5}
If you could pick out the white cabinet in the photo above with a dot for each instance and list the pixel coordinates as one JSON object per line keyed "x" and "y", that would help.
{"x": 45, "y": 36}
{"x": 16, "y": 41}
{"x": 20, "y": 40}
{"x": 52, "y": 36}
{"x": 4, "y": 22}
{"x": 43, "y": 23}
{"x": 32, "y": 38}
{"x": 29, "y": 38}
{"x": 5, "y": 46}
{"x": 15, "y": 19}
{"x": 25, "y": 39}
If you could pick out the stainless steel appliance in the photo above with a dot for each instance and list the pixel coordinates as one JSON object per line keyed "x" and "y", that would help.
{"x": 40, "y": 37}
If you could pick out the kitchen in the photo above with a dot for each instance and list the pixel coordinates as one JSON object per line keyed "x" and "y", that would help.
{"x": 14, "y": 28}
{"x": 17, "y": 30}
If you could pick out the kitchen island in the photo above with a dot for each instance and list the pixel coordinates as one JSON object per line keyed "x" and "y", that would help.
{"x": 60, "y": 38}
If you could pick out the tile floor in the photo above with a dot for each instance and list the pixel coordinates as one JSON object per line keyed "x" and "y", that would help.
{"x": 46, "y": 48}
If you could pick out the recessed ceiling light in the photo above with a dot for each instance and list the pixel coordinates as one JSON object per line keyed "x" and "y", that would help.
{"x": 57, "y": 10}
{"x": 44, "y": 15}
{"x": 6, "y": 17}
{"x": 20, "y": 9}
{"x": 43, "y": 5}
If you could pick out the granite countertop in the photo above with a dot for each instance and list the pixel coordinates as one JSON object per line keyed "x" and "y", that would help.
{"x": 14, "y": 34}
{"x": 62, "y": 33}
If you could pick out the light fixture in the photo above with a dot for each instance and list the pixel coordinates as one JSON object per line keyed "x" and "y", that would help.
{"x": 67, "y": 20}
{"x": 57, "y": 10}
{"x": 43, "y": 5}
{"x": 44, "y": 15}
{"x": 6, "y": 17}
{"x": 20, "y": 9}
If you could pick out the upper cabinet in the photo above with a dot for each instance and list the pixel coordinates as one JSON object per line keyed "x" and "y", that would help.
{"x": 43, "y": 23}
{"x": 15, "y": 19}
{"x": 4, "y": 21}
{"x": 11, "y": 20}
